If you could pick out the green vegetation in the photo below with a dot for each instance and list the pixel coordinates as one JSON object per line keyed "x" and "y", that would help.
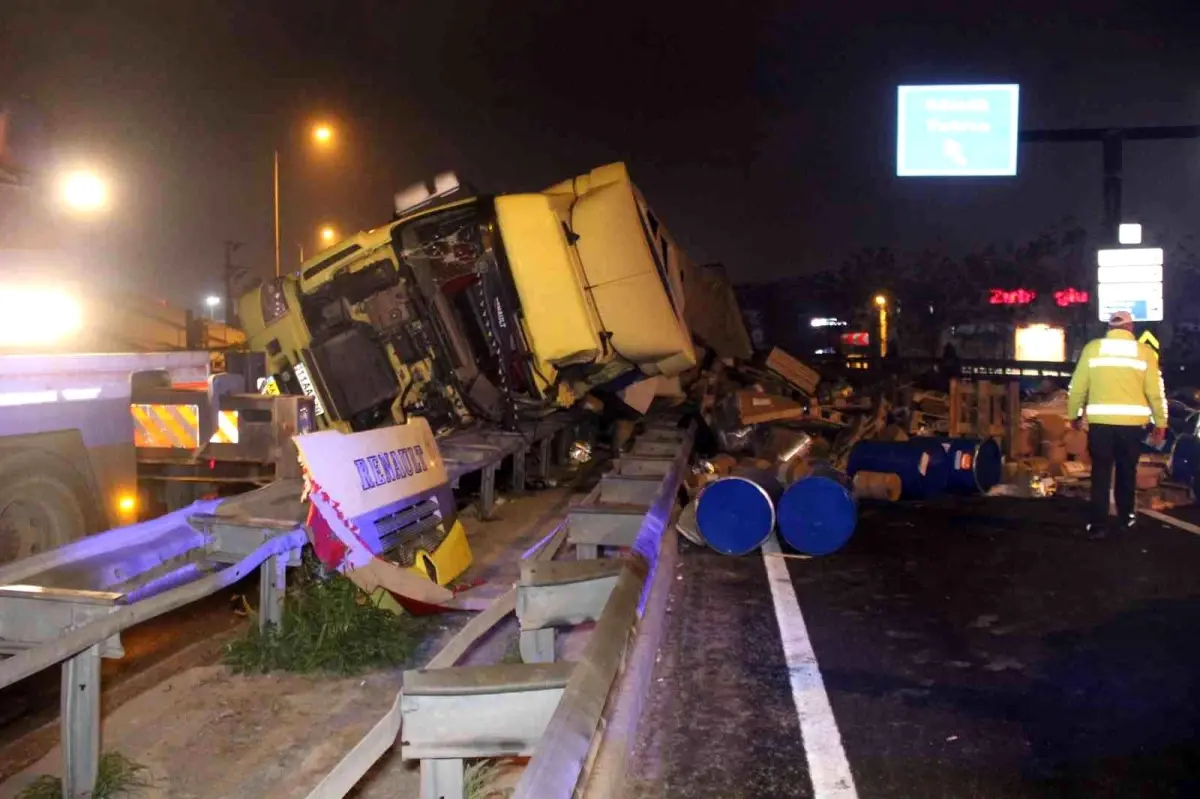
{"x": 329, "y": 626}
{"x": 119, "y": 776}
{"x": 478, "y": 775}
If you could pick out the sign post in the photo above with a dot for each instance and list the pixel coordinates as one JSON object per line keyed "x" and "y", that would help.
{"x": 957, "y": 131}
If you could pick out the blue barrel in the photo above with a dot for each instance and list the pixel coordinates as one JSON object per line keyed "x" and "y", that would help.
{"x": 924, "y": 470}
{"x": 976, "y": 465}
{"x": 1185, "y": 460}
{"x": 736, "y": 514}
{"x": 817, "y": 515}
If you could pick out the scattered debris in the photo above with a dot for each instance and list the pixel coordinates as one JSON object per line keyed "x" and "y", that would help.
{"x": 801, "y": 377}
{"x": 581, "y": 452}
{"x": 776, "y": 415}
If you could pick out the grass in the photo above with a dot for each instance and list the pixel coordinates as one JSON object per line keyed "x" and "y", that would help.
{"x": 329, "y": 626}
{"x": 476, "y": 777}
{"x": 118, "y": 776}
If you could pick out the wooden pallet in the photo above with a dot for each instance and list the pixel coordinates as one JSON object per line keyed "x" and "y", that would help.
{"x": 983, "y": 409}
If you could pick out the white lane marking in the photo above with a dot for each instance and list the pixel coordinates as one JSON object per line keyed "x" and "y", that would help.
{"x": 1165, "y": 519}
{"x": 827, "y": 764}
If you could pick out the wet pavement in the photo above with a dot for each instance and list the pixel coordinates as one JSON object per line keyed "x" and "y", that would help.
{"x": 969, "y": 648}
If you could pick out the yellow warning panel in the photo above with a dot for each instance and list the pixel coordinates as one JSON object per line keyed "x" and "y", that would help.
{"x": 227, "y": 428}
{"x": 166, "y": 426}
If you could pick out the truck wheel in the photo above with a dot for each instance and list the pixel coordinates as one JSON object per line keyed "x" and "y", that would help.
{"x": 43, "y": 505}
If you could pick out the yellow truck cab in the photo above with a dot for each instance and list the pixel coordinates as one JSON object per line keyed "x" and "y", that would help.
{"x": 479, "y": 308}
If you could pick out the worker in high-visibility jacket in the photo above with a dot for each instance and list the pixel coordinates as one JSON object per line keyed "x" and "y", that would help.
{"x": 1118, "y": 388}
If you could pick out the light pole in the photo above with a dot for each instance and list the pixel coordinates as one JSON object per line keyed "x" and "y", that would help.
{"x": 881, "y": 303}
{"x": 322, "y": 136}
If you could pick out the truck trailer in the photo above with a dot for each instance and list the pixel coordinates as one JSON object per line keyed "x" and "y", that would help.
{"x": 94, "y": 441}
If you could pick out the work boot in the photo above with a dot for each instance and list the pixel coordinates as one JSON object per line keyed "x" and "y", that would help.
{"x": 1129, "y": 522}
{"x": 1096, "y": 532}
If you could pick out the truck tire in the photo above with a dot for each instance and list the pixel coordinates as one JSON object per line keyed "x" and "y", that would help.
{"x": 44, "y": 503}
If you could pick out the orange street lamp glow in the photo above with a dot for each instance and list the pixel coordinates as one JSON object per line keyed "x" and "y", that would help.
{"x": 84, "y": 191}
{"x": 328, "y": 234}
{"x": 322, "y": 134}
{"x": 880, "y": 300}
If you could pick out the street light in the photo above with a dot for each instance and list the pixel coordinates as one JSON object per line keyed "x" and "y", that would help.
{"x": 84, "y": 191}
{"x": 881, "y": 304}
{"x": 212, "y": 301}
{"x": 328, "y": 235}
{"x": 322, "y": 135}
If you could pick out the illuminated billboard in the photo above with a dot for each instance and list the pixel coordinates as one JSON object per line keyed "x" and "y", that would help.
{"x": 957, "y": 131}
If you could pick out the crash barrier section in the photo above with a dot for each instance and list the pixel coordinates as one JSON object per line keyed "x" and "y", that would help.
{"x": 818, "y": 514}
{"x": 924, "y": 470}
{"x": 736, "y": 514}
{"x": 121, "y": 578}
{"x": 69, "y": 605}
{"x": 550, "y": 711}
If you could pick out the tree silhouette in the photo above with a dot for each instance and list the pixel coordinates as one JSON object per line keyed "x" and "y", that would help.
{"x": 932, "y": 291}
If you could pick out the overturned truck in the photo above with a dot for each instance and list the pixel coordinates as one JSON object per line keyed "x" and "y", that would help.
{"x": 480, "y": 309}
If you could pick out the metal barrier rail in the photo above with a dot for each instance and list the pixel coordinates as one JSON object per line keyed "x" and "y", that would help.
{"x": 553, "y": 712}
{"x": 78, "y": 648}
{"x": 158, "y": 566}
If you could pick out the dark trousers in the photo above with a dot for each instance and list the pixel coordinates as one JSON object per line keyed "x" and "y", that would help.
{"x": 1114, "y": 448}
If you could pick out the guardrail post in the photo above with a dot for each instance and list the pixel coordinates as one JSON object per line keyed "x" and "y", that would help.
{"x": 518, "y": 470}
{"x": 487, "y": 491}
{"x": 543, "y": 458}
{"x": 80, "y": 723}
{"x": 563, "y": 440}
{"x": 537, "y": 646}
{"x": 272, "y": 588}
{"x": 442, "y": 779}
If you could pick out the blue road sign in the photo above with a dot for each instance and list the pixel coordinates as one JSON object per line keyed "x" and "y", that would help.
{"x": 949, "y": 131}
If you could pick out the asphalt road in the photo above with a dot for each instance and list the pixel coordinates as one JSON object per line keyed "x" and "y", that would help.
{"x": 970, "y": 648}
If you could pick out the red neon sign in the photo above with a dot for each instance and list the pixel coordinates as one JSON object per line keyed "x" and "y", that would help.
{"x": 856, "y": 339}
{"x": 1070, "y": 297}
{"x": 1063, "y": 298}
{"x": 1014, "y": 297}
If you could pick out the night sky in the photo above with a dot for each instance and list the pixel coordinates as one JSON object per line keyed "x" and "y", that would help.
{"x": 763, "y": 133}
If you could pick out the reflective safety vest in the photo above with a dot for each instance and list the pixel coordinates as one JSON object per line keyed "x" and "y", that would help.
{"x": 1117, "y": 381}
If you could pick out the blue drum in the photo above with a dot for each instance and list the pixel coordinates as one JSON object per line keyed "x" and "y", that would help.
{"x": 924, "y": 470}
{"x": 976, "y": 465}
{"x": 817, "y": 515}
{"x": 736, "y": 514}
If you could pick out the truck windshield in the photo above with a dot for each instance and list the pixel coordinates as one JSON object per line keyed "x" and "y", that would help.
{"x": 454, "y": 259}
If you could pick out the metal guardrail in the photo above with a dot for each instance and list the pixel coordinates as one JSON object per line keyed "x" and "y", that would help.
{"x": 550, "y": 711}
{"x": 137, "y": 573}
{"x": 74, "y": 627}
